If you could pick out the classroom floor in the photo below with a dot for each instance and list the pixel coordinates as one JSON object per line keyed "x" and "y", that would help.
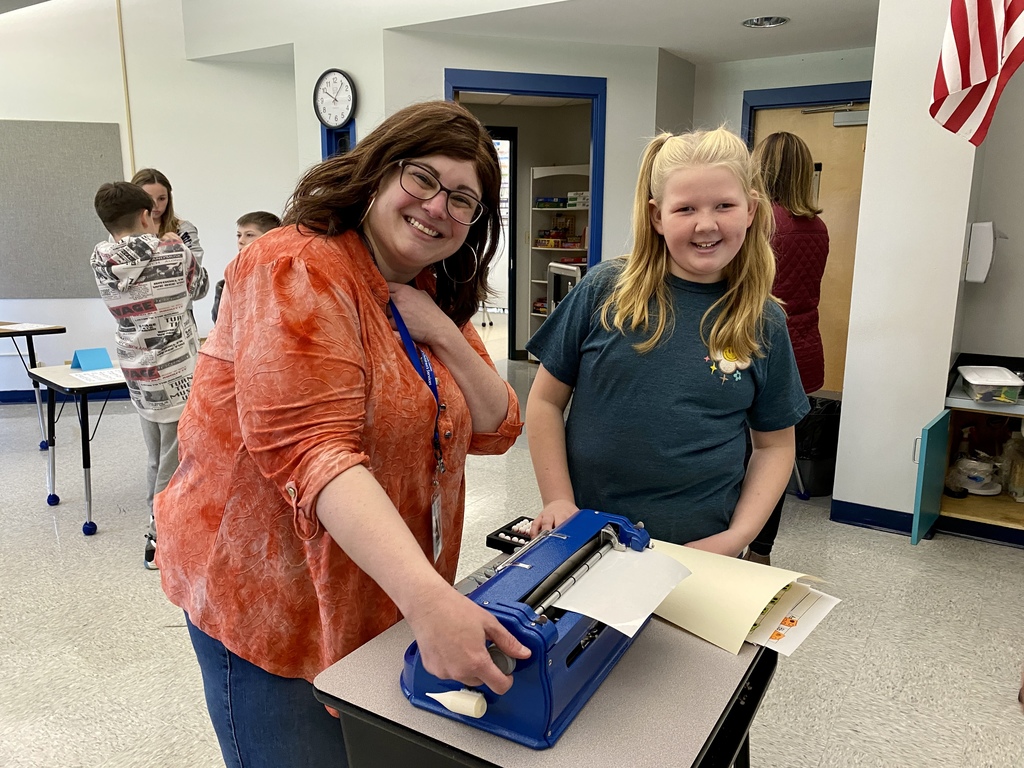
{"x": 918, "y": 666}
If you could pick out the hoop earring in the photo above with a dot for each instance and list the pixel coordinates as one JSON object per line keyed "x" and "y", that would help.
{"x": 367, "y": 211}
{"x": 476, "y": 266}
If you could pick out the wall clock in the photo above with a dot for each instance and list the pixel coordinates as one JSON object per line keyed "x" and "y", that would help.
{"x": 334, "y": 98}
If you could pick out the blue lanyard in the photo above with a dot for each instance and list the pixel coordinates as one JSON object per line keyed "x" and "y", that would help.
{"x": 426, "y": 371}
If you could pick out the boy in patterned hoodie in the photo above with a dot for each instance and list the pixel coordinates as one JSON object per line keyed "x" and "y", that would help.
{"x": 148, "y": 284}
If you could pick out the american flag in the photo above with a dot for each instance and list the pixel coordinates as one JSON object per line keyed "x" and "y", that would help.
{"x": 980, "y": 52}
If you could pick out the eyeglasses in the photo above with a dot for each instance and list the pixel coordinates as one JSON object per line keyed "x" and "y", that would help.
{"x": 422, "y": 184}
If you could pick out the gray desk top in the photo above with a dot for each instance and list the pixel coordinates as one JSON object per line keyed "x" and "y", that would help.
{"x": 60, "y": 376}
{"x": 658, "y": 705}
{"x": 10, "y": 328}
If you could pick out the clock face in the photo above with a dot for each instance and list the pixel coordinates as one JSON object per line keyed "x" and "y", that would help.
{"x": 334, "y": 98}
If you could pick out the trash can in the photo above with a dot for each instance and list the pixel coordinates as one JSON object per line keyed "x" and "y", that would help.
{"x": 817, "y": 443}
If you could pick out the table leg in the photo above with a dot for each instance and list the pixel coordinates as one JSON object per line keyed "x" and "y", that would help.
{"x": 743, "y": 756}
{"x": 88, "y": 527}
{"x": 51, "y": 442}
{"x": 35, "y": 385}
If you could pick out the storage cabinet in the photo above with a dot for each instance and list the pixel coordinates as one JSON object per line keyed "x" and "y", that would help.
{"x": 559, "y": 226}
{"x": 998, "y": 518}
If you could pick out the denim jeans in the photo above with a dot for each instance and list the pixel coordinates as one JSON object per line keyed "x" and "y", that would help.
{"x": 262, "y": 720}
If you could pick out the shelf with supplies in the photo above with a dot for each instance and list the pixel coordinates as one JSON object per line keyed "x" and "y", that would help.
{"x": 559, "y": 223}
{"x": 982, "y": 426}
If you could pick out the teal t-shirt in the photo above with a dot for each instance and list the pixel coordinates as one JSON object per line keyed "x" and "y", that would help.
{"x": 660, "y": 437}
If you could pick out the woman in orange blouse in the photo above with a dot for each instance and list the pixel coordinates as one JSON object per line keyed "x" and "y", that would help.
{"x": 321, "y": 489}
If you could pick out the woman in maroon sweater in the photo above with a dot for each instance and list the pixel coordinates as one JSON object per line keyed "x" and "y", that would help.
{"x": 800, "y": 243}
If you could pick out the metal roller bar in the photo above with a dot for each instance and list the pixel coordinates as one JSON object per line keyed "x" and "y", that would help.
{"x": 575, "y": 576}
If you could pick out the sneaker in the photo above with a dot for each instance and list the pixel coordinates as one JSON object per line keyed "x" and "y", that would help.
{"x": 149, "y": 560}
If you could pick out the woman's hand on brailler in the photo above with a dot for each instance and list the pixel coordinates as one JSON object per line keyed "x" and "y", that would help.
{"x": 426, "y": 322}
{"x": 452, "y": 633}
{"x": 171, "y": 238}
{"x": 553, "y": 515}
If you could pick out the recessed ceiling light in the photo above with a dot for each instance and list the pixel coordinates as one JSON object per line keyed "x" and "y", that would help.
{"x": 764, "y": 22}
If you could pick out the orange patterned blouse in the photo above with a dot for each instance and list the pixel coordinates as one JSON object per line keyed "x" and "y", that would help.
{"x": 301, "y": 379}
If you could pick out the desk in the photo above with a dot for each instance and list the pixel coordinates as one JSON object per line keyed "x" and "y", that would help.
{"x": 672, "y": 700}
{"x": 59, "y": 378}
{"x": 12, "y": 331}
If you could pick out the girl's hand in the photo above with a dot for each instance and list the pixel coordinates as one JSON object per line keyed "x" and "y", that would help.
{"x": 552, "y": 516}
{"x": 725, "y": 543}
{"x": 426, "y": 322}
{"x": 452, "y": 633}
{"x": 171, "y": 238}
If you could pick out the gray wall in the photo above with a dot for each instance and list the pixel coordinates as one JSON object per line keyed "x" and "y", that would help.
{"x": 673, "y": 111}
{"x": 993, "y": 311}
{"x": 49, "y": 174}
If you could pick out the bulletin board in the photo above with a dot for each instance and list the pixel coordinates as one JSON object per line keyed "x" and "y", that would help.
{"x": 49, "y": 174}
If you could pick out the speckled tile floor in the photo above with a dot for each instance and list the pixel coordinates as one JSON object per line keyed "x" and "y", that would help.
{"x": 918, "y": 666}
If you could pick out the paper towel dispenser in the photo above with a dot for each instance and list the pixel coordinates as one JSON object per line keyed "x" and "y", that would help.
{"x": 980, "y": 250}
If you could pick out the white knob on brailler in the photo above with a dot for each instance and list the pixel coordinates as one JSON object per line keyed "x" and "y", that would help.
{"x": 464, "y": 702}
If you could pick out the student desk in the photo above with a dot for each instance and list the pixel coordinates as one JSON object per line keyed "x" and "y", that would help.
{"x": 672, "y": 700}
{"x": 12, "y": 331}
{"x": 59, "y": 378}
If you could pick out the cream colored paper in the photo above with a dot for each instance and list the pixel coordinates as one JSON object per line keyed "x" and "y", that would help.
{"x": 723, "y": 597}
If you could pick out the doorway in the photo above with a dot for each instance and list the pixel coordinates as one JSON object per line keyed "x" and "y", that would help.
{"x": 590, "y": 93}
{"x": 493, "y": 315}
{"x": 549, "y": 132}
{"x": 815, "y": 114}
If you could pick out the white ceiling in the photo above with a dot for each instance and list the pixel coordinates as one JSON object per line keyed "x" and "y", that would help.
{"x": 700, "y": 31}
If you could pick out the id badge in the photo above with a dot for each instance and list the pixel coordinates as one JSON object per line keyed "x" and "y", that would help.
{"x": 435, "y": 516}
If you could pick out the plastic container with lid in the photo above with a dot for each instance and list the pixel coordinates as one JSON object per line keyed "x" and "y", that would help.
{"x": 991, "y": 383}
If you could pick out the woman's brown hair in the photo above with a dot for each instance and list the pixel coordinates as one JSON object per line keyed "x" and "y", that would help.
{"x": 334, "y": 195}
{"x": 787, "y": 172}
{"x": 168, "y": 222}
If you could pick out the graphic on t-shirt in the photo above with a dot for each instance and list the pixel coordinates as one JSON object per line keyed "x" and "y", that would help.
{"x": 726, "y": 365}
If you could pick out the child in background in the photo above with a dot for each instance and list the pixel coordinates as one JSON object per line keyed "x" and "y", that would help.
{"x": 159, "y": 188}
{"x": 148, "y": 284}
{"x": 670, "y": 355}
{"x": 251, "y": 226}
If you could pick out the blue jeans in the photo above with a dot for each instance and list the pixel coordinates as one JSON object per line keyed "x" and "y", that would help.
{"x": 263, "y": 720}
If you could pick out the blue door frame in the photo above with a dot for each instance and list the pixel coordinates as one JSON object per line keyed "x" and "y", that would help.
{"x": 333, "y": 140}
{"x": 565, "y": 86}
{"x": 799, "y": 96}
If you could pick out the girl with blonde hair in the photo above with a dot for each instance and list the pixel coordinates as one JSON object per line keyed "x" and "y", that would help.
{"x": 671, "y": 355}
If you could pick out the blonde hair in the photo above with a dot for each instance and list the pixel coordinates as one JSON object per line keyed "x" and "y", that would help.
{"x": 787, "y": 171}
{"x": 750, "y": 275}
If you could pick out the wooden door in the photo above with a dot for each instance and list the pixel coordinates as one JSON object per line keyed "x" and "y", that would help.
{"x": 841, "y": 154}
